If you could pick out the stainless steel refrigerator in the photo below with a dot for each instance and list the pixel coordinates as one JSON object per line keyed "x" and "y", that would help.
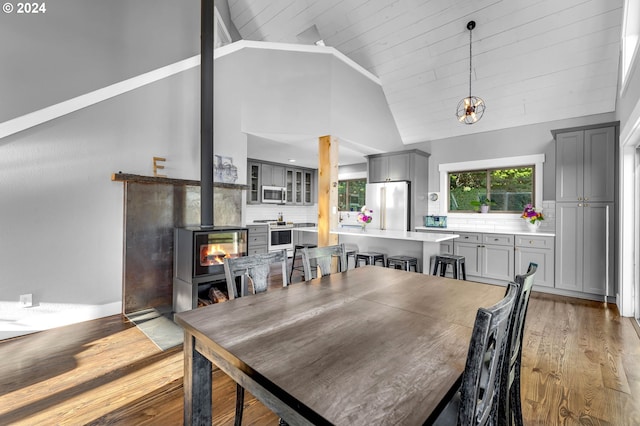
{"x": 391, "y": 206}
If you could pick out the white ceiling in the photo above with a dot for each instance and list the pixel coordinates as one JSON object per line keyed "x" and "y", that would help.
{"x": 532, "y": 61}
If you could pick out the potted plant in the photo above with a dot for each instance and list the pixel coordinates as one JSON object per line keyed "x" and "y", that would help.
{"x": 532, "y": 217}
{"x": 482, "y": 205}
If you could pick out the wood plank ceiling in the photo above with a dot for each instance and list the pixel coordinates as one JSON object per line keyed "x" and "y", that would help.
{"x": 532, "y": 61}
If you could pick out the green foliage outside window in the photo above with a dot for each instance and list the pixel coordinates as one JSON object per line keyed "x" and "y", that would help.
{"x": 508, "y": 189}
{"x": 351, "y": 194}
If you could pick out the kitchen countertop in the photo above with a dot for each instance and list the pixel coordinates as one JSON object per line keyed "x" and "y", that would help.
{"x": 487, "y": 231}
{"x": 431, "y": 237}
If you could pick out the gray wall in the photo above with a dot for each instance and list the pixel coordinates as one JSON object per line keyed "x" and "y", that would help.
{"x": 516, "y": 141}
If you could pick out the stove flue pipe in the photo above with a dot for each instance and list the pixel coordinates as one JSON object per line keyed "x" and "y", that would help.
{"x": 206, "y": 114}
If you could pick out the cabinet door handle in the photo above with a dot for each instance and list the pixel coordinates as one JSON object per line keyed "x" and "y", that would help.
{"x": 586, "y": 204}
{"x": 586, "y": 199}
{"x": 579, "y": 204}
{"x": 579, "y": 198}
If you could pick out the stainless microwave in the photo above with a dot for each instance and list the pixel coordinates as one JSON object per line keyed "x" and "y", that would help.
{"x": 274, "y": 194}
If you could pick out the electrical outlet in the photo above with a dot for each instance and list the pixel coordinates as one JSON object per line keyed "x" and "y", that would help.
{"x": 26, "y": 300}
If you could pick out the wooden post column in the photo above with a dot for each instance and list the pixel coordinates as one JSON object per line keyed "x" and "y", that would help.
{"x": 327, "y": 190}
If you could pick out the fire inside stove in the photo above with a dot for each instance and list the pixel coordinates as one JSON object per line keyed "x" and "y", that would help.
{"x": 214, "y": 254}
{"x": 213, "y": 246}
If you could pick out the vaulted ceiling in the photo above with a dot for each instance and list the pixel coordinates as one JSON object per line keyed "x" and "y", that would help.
{"x": 533, "y": 61}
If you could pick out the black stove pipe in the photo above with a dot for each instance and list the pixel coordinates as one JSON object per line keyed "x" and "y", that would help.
{"x": 206, "y": 114}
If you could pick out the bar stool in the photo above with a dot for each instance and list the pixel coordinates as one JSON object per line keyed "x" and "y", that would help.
{"x": 370, "y": 258}
{"x": 457, "y": 262}
{"x": 298, "y": 247}
{"x": 402, "y": 262}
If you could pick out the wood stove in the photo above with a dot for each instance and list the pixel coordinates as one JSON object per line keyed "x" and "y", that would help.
{"x": 199, "y": 254}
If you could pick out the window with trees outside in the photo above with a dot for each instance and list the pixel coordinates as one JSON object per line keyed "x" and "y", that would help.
{"x": 504, "y": 190}
{"x": 351, "y": 194}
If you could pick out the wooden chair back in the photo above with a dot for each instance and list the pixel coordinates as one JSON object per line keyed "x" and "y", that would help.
{"x": 488, "y": 351}
{"x": 511, "y": 404}
{"x": 254, "y": 268}
{"x": 321, "y": 258}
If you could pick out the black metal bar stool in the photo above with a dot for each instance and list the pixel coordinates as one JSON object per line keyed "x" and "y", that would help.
{"x": 297, "y": 251}
{"x": 402, "y": 262}
{"x": 457, "y": 262}
{"x": 369, "y": 258}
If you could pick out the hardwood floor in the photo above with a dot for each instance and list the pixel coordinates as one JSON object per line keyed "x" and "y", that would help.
{"x": 581, "y": 365}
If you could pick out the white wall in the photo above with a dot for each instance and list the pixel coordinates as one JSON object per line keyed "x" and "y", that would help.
{"x": 61, "y": 221}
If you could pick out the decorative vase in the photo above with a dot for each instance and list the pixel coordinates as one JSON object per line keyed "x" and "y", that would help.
{"x": 484, "y": 209}
{"x": 533, "y": 227}
{"x": 363, "y": 227}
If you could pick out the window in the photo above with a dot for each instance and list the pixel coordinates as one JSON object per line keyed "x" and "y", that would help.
{"x": 351, "y": 194}
{"x": 505, "y": 190}
{"x": 630, "y": 36}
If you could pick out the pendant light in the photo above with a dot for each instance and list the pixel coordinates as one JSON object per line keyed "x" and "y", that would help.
{"x": 471, "y": 108}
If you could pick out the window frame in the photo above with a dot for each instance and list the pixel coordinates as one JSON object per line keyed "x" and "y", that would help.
{"x": 537, "y": 160}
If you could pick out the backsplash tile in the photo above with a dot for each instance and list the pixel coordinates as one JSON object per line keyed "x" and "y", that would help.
{"x": 297, "y": 214}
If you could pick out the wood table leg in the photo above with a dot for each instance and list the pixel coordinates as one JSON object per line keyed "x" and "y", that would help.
{"x": 197, "y": 384}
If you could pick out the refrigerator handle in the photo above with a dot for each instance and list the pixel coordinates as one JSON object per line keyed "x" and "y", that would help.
{"x": 383, "y": 208}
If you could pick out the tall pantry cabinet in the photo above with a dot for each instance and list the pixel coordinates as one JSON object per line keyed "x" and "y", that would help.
{"x": 585, "y": 209}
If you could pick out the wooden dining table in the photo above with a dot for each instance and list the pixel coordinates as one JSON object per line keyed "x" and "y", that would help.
{"x": 369, "y": 346}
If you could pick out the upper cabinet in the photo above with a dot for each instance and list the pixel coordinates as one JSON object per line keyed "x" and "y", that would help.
{"x": 299, "y": 182}
{"x": 586, "y": 165}
{"x": 254, "y": 182}
{"x": 390, "y": 167}
{"x": 272, "y": 175}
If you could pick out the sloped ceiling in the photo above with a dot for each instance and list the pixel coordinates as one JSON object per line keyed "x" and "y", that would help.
{"x": 532, "y": 61}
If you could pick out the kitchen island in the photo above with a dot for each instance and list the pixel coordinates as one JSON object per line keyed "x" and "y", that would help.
{"x": 420, "y": 245}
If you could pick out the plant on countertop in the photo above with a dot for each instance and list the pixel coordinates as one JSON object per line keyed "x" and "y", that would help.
{"x": 531, "y": 215}
{"x": 365, "y": 216}
{"x": 483, "y": 204}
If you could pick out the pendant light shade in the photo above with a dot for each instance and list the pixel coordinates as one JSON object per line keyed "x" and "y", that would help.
{"x": 471, "y": 108}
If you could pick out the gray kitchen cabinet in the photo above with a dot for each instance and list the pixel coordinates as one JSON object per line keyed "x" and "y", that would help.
{"x": 309, "y": 187}
{"x": 585, "y": 209}
{"x": 584, "y": 247}
{"x": 272, "y": 175}
{"x": 299, "y": 182}
{"x": 389, "y": 167}
{"x": 539, "y": 250}
{"x": 489, "y": 256}
{"x": 254, "y": 195}
{"x": 498, "y": 257}
{"x": 585, "y": 165}
{"x": 258, "y": 236}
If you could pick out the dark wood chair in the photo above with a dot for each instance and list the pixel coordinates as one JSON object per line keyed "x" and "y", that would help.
{"x": 478, "y": 400}
{"x": 254, "y": 268}
{"x": 323, "y": 257}
{"x": 512, "y": 403}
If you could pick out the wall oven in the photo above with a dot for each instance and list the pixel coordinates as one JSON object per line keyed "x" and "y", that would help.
{"x": 274, "y": 194}
{"x": 281, "y": 237}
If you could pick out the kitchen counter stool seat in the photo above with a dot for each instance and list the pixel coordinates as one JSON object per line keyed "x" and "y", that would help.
{"x": 369, "y": 258}
{"x": 403, "y": 262}
{"x": 457, "y": 262}
{"x": 297, "y": 253}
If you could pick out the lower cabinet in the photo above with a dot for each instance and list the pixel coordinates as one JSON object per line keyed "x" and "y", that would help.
{"x": 487, "y": 255}
{"x": 538, "y": 250}
{"x": 499, "y": 257}
{"x": 258, "y": 239}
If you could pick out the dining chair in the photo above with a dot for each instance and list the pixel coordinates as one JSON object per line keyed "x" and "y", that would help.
{"x": 511, "y": 402}
{"x": 483, "y": 380}
{"x": 254, "y": 268}
{"x": 323, "y": 257}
